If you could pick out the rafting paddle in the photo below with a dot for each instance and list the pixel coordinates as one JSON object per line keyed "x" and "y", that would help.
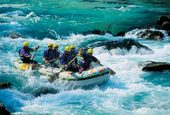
{"x": 35, "y": 53}
{"x": 30, "y": 65}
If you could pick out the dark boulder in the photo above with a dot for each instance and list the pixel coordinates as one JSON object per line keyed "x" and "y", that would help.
{"x": 155, "y": 66}
{"x": 3, "y": 110}
{"x": 122, "y": 33}
{"x": 107, "y": 31}
{"x": 164, "y": 23}
{"x": 163, "y": 19}
{"x": 5, "y": 85}
{"x": 15, "y": 35}
{"x": 150, "y": 34}
{"x": 123, "y": 44}
{"x": 97, "y": 32}
{"x": 166, "y": 26}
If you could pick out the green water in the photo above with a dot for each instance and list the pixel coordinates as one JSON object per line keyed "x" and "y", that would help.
{"x": 50, "y": 18}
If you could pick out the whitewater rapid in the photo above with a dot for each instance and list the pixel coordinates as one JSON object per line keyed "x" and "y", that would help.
{"x": 126, "y": 92}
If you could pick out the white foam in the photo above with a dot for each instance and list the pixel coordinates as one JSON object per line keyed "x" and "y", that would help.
{"x": 13, "y": 5}
{"x": 31, "y": 14}
{"x": 126, "y": 8}
{"x": 117, "y": 96}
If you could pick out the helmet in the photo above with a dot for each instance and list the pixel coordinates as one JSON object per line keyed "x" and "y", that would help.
{"x": 72, "y": 46}
{"x": 55, "y": 45}
{"x": 67, "y": 48}
{"x": 50, "y": 45}
{"x": 26, "y": 43}
{"x": 90, "y": 51}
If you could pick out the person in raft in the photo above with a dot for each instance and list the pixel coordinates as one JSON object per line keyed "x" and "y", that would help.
{"x": 56, "y": 55}
{"x": 48, "y": 54}
{"x": 89, "y": 58}
{"x": 25, "y": 54}
{"x": 73, "y": 51}
{"x": 67, "y": 60}
{"x": 80, "y": 60}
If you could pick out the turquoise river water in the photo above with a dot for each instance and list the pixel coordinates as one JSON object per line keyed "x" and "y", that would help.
{"x": 130, "y": 92}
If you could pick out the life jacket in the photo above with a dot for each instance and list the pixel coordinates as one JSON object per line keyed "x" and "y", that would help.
{"x": 65, "y": 58}
{"x": 56, "y": 54}
{"x": 48, "y": 55}
{"x": 21, "y": 56}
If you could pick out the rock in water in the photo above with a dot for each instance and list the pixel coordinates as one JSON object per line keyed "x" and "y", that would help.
{"x": 3, "y": 110}
{"x": 150, "y": 34}
{"x": 166, "y": 26}
{"x": 5, "y": 85}
{"x": 164, "y": 23}
{"x": 15, "y": 35}
{"x": 122, "y": 44}
{"x": 122, "y": 33}
{"x": 163, "y": 19}
{"x": 155, "y": 66}
{"x": 97, "y": 32}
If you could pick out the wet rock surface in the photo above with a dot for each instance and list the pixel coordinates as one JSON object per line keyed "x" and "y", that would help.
{"x": 163, "y": 23}
{"x": 151, "y": 66}
{"x": 5, "y": 85}
{"x": 97, "y": 32}
{"x": 122, "y": 33}
{"x": 15, "y": 35}
{"x": 123, "y": 44}
{"x": 163, "y": 19}
{"x": 150, "y": 34}
{"x": 3, "y": 110}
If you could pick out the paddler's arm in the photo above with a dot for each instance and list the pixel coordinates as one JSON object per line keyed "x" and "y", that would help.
{"x": 34, "y": 49}
{"x": 62, "y": 62}
{"x": 64, "y": 66}
{"x": 45, "y": 57}
{"x": 45, "y": 61}
{"x": 24, "y": 54}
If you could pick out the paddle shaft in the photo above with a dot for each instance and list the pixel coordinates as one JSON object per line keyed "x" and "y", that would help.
{"x": 30, "y": 65}
{"x": 35, "y": 53}
{"x": 72, "y": 60}
{"x": 54, "y": 59}
{"x": 66, "y": 64}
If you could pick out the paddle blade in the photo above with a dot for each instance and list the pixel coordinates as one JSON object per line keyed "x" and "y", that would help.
{"x": 53, "y": 78}
{"x": 112, "y": 72}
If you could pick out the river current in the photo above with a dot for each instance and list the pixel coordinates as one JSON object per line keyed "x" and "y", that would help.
{"x": 129, "y": 91}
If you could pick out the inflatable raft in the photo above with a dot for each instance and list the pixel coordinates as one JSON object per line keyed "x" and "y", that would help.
{"x": 25, "y": 66}
{"x": 97, "y": 75}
